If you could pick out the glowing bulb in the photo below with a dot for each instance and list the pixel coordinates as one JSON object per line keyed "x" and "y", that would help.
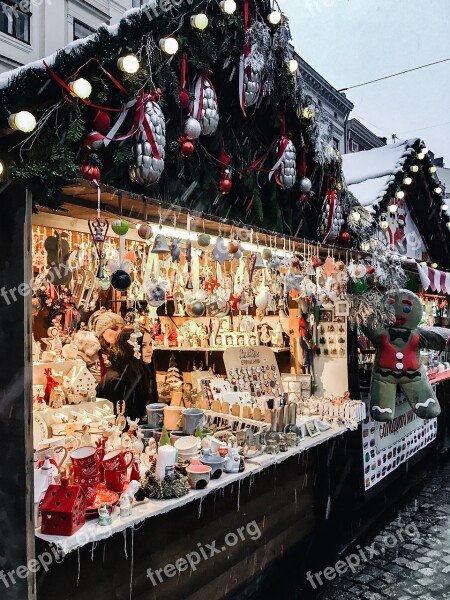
{"x": 407, "y": 181}
{"x": 308, "y": 113}
{"x": 356, "y": 216}
{"x": 392, "y": 208}
{"x": 432, "y": 169}
{"x": 2, "y": 168}
{"x": 228, "y": 7}
{"x": 169, "y": 45}
{"x": 275, "y": 17}
{"x": 293, "y": 66}
{"x": 434, "y": 265}
{"x": 400, "y": 195}
{"x": 22, "y": 121}
{"x": 414, "y": 169}
{"x": 199, "y": 21}
{"x": 365, "y": 246}
{"x": 384, "y": 224}
{"x": 448, "y": 225}
{"x": 424, "y": 150}
{"x": 81, "y": 88}
{"x": 438, "y": 190}
{"x": 444, "y": 206}
{"x": 128, "y": 64}
{"x": 421, "y": 156}
{"x": 423, "y": 263}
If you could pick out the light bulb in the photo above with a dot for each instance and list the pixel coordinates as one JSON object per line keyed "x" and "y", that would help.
{"x": 81, "y": 88}
{"x": 438, "y": 190}
{"x": 423, "y": 264}
{"x": 407, "y": 181}
{"x": 169, "y": 45}
{"x": 22, "y": 121}
{"x": 414, "y": 168}
{"x": 444, "y": 206}
{"x": 228, "y": 7}
{"x": 199, "y": 21}
{"x": 356, "y": 216}
{"x": 421, "y": 156}
{"x": 424, "y": 150}
{"x": 434, "y": 265}
{"x": 384, "y": 224}
{"x": 308, "y": 113}
{"x": 274, "y": 17}
{"x": 448, "y": 225}
{"x": 392, "y": 208}
{"x": 432, "y": 169}
{"x": 128, "y": 64}
{"x": 365, "y": 246}
{"x": 400, "y": 195}
{"x": 2, "y": 168}
{"x": 292, "y": 66}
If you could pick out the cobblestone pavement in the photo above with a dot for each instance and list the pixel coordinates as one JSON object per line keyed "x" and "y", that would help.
{"x": 413, "y": 552}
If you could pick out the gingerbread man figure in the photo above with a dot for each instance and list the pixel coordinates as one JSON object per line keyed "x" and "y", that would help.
{"x": 397, "y": 360}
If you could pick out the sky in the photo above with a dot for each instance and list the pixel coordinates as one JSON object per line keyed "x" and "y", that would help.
{"x": 353, "y": 41}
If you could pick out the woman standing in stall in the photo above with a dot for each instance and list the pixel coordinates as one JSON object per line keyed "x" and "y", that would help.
{"x": 131, "y": 379}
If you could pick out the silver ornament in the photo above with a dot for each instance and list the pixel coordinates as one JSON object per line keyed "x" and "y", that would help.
{"x": 208, "y": 116}
{"x": 287, "y": 170}
{"x": 192, "y": 128}
{"x": 146, "y": 168}
{"x": 252, "y": 87}
{"x": 305, "y": 185}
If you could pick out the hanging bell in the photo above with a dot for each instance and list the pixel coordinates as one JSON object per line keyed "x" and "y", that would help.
{"x": 160, "y": 245}
{"x": 259, "y": 264}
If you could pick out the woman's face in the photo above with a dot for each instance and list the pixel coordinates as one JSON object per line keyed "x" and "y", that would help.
{"x": 147, "y": 349}
{"x": 110, "y": 335}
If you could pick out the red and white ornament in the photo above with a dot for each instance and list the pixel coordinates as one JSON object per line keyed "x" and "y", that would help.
{"x": 204, "y": 107}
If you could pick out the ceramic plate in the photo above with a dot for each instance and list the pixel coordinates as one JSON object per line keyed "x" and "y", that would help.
{"x": 40, "y": 430}
{"x": 103, "y": 495}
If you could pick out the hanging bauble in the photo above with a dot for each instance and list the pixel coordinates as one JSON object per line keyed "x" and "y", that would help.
{"x": 204, "y": 105}
{"x": 186, "y": 148}
{"x": 144, "y": 231}
{"x": 340, "y": 265}
{"x": 104, "y": 282}
{"x": 331, "y": 219}
{"x": 120, "y": 226}
{"x": 90, "y": 169}
{"x": 94, "y": 141}
{"x": 225, "y": 186}
{"x": 304, "y": 198}
{"x": 345, "y": 237}
{"x": 305, "y": 185}
{"x": 220, "y": 251}
{"x": 184, "y": 99}
{"x": 267, "y": 254}
{"x": 204, "y": 240}
{"x": 286, "y": 163}
{"x": 224, "y": 159}
{"x": 149, "y": 154}
{"x": 196, "y": 308}
{"x": 192, "y": 128}
{"x": 252, "y": 84}
{"x": 121, "y": 280}
{"x": 102, "y": 122}
{"x": 156, "y": 293}
{"x": 233, "y": 247}
{"x": 160, "y": 245}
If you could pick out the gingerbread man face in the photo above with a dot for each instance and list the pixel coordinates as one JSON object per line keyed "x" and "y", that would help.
{"x": 406, "y": 307}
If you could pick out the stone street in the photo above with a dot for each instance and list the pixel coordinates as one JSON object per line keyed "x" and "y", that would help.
{"x": 412, "y": 557}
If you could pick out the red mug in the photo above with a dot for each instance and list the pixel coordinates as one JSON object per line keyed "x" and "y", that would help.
{"x": 114, "y": 480}
{"x": 115, "y": 460}
{"x": 84, "y": 461}
{"x": 89, "y": 485}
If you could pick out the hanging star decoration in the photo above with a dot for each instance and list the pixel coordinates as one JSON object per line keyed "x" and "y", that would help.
{"x": 211, "y": 285}
{"x": 329, "y": 268}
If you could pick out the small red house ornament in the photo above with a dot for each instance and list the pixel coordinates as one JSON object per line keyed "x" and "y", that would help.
{"x": 63, "y": 509}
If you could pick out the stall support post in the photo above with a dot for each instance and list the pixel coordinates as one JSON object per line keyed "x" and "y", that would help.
{"x": 17, "y": 581}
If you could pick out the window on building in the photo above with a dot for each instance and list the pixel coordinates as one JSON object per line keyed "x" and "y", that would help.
{"x": 335, "y": 143}
{"x": 15, "y": 19}
{"x": 80, "y": 30}
{"x": 354, "y": 147}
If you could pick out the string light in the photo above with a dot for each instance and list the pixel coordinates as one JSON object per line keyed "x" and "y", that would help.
{"x": 22, "y": 121}
{"x": 437, "y": 190}
{"x": 128, "y": 64}
{"x": 423, "y": 263}
{"x": 81, "y": 88}
{"x": 448, "y": 225}
{"x": 414, "y": 169}
{"x": 424, "y": 150}
{"x": 228, "y": 7}
{"x": 384, "y": 224}
{"x": 407, "y": 181}
{"x": 356, "y": 216}
{"x": 434, "y": 265}
{"x": 293, "y": 66}
{"x": 392, "y": 208}
{"x": 199, "y": 21}
{"x": 421, "y": 155}
{"x": 432, "y": 169}
{"x": 274, "y": 17}
{"x": 169, "y": 45}
{"x": 444, "y": 206}
{"x": 308, "y": 113}
{"x": 400, "y": 195}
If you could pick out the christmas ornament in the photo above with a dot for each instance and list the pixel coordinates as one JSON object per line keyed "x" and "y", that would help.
{"x": 192, "y": 128}
{"x": 196, "y": 308}
{"x": 305, "y": 185}
{"x": 120, "y": 226}
{"x": 94, "y": 141}
{"x": 144, "y": 231}
{"x": 345, "y": 237}
{"x": 204, "y": 107}
{"x": 204, "y": 240}
{"x": 340, "y": 265}
{"x": 332, "y": 218}
{"x": 90, "y": 169}
{"x": 304, "y": 198}
{"x": 233, "y": 247}
{"x": 175, "y": 250}
{"x": 186, "y": 148}
{"x": 121, "y": 280}
{"x": 160, "y": 245}
{"x": 150, "y": 141}
{"x": 286, "y": 164}
{"x": 156, "y": 292}
{"x": 267, "y": 254}
{"x": 224, "y": 158}
{"x": 225, "y": 185}
{"x": 220, "y": 251}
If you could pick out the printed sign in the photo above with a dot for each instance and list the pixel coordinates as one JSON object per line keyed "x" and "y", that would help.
{"x": 253, "y": 370}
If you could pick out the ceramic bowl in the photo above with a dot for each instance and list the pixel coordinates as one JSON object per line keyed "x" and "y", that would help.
{"x": 216, "y": 463}
{"x": 198, "y": 476}
{"x": 188, "y": 443}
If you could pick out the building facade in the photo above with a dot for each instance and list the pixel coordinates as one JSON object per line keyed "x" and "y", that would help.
{"x": 32, "y": 29}
{"x": 360, "y": 138}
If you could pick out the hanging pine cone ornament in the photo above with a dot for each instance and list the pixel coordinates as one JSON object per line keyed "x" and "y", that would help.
{"x": 286, "y": 163}
{"x": 331, "y": 219}
{"x": 204, "y": 106}
{"x": 149, "y": 144}
{"x": 252, "y": 86}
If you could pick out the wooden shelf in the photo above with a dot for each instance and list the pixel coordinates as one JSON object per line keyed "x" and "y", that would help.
{"x": 209, "y": 349}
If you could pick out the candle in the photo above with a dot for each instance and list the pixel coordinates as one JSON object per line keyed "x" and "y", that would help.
{"x": 167, "y": 456}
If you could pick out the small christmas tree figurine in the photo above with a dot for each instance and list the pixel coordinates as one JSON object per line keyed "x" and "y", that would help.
{"x": 174, "y": 378}
{"x": 165, "y": 439}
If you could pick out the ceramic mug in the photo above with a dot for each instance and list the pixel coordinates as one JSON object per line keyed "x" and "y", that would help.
{"x": 172, "y": 417}
{"x": 192, "y": 417}
{"x": 84, "y": 461}
{"x": 114, "y": 480}
{"x": 89, "y": 485}
{"x": 198, "y": 476}
{"x": 116, "y": 461}
{"x": 155, "y": 414}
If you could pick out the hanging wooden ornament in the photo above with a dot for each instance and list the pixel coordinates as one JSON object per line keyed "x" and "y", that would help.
{"x": 204, "y": 106}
